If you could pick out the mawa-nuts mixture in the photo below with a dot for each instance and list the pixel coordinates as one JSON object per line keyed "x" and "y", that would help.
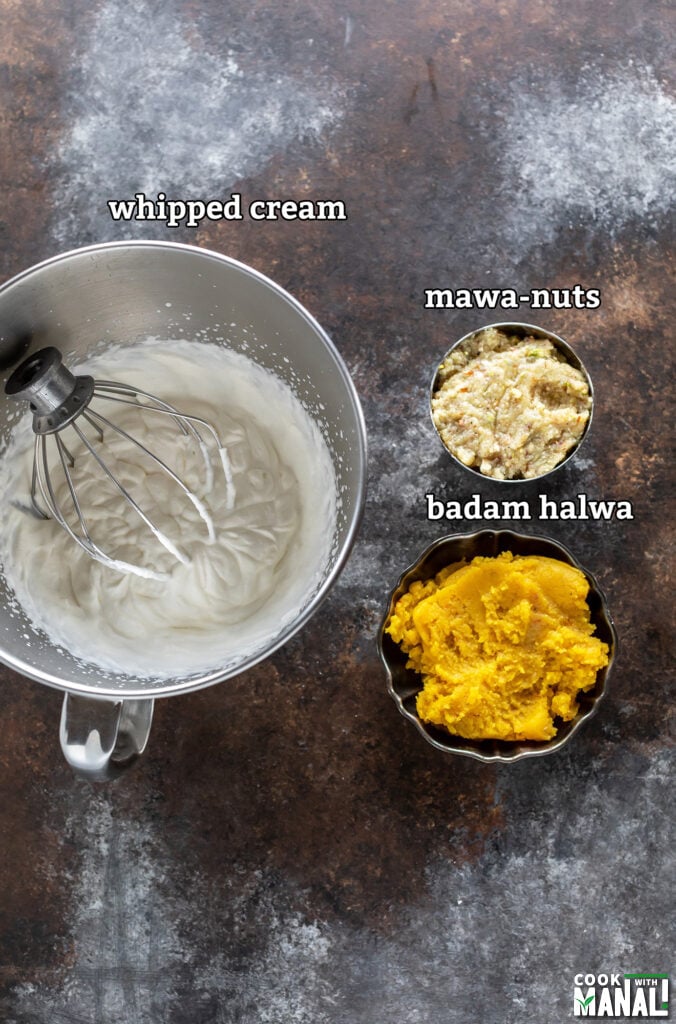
{"x": 508, "y": 406}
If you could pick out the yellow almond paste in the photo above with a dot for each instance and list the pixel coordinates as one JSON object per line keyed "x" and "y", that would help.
{"x": 503, "y": 644}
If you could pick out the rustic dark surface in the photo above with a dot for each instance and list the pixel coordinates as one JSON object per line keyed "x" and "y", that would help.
{"x": 290, "y": 851}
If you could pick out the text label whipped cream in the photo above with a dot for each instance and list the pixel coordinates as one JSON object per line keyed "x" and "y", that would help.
{"x": 271, "y": 496}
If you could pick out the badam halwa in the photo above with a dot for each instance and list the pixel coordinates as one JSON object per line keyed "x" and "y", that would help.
{"x": 504, "y": 646}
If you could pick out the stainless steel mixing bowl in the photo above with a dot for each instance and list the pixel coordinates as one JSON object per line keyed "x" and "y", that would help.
{"x": 125, "y": 292}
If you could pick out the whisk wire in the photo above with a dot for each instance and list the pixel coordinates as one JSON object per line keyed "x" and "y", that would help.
{"x": 92, "y": 423}
{"x": 158, "y": 462}
{"x": 47, "y": 490}
{"x": 112, "y": 389}
{"x": 85, "y": 541}
{"x": 66, "y": 463}
{"x": 35, "y": 484}
{"x": 162, "y": 538}
{"x": 185, "y": 421}
{"x": 61, "y": 399}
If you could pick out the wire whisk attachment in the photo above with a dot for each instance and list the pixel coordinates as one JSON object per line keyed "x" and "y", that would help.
{"x": 60, "y": 401}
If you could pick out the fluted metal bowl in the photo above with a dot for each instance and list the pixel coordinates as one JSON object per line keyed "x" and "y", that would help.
{"x": 404, "y": 684}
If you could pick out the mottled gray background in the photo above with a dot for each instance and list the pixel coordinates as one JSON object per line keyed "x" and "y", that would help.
{"x": 290, "y": 851}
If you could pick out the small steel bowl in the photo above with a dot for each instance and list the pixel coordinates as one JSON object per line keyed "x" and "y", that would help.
{"x": 520, "y": 330}
{"x": 404, "y": 684}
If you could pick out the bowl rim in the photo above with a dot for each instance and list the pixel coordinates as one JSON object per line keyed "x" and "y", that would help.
{"x": 571, "y": 357}
{"x": 504, "y": 751}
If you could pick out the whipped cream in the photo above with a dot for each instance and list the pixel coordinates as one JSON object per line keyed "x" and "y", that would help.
{"x": 222, "y": 571}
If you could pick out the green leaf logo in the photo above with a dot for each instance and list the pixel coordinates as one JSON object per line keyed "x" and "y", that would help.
{"x": 585, "y": 1002}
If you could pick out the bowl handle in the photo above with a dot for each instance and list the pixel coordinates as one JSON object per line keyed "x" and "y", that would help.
{"x": 100, "y": 739}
